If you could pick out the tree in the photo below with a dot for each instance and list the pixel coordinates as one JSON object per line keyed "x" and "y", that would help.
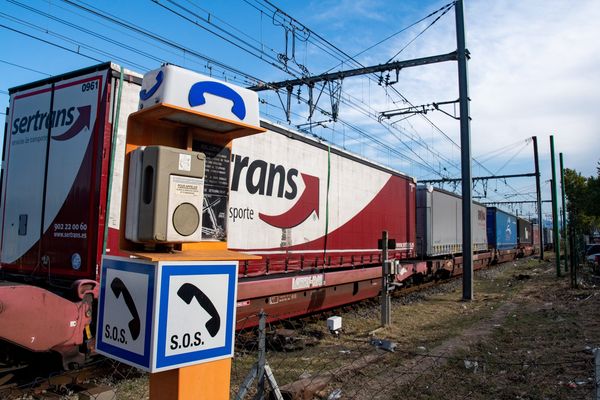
{"x": 583, "y": 195}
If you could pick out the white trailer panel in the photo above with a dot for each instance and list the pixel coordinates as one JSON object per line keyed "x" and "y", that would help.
{"x": 439, "y": 223}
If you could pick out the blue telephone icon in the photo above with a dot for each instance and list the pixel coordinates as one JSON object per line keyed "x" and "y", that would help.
{"x": 145, "y": 95}
{"x": 196, "y": 96}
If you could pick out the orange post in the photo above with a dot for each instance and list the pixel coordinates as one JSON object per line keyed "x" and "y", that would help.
{"x": 209, "y": 381}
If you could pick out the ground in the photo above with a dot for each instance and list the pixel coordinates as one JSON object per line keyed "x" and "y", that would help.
{"x": 526, "y": 335}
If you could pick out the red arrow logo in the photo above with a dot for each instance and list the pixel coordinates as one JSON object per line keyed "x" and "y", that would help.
{"x": 83, "y": 121}
{"x": 306, "y": 204}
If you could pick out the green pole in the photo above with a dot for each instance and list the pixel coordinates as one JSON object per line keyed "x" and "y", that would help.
{"x": 556, "y": 236}
{"x": 564, "y": 210}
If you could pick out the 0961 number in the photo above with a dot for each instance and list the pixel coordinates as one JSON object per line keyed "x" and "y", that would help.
{"x": 89, "y": 86}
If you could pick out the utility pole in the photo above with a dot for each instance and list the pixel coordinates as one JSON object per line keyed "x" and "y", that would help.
{"x": 465, "y": 152}
{"x": 538, "y": 190}
{"x": 556, "y": 234}
{"x": 564, "y": 210}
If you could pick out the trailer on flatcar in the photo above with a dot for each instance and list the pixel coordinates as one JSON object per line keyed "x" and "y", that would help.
{"x": 502, "y": 234}
{"x": 312, "y": 211}
{"x": 439, "y": 231}
{"x": 525, "y": 237}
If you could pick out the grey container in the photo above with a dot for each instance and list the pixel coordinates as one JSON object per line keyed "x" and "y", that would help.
{"x": 524, "y": 231}
{"x": 439, "y": 223}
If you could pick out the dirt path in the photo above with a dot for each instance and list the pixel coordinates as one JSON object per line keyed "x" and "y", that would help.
{"x": 419, "y": 365}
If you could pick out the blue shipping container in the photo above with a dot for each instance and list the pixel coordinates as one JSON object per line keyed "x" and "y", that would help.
{"x": 501, "y": 229}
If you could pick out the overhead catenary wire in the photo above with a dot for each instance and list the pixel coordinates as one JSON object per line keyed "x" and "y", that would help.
{"x": 48, "y": 42}
{"x": 449, "y": 5}
{"x": 132, "y": 27}
{"x": 223, "y": 34}
{"x": 445, "y": 10}
{"x": 121, "y": 32}
{"x": 373, "y": 139}
{"x": 260, "y": 56}
{"x": 523, "y": 147}
{"x": 274, "y": 10}
{"x": 65, "y": 38}
{"x": 90, "y": 32}
{"x": 24, "y": 67}
{"x": 484, "y": 157}
{"x": 349, "y": 58}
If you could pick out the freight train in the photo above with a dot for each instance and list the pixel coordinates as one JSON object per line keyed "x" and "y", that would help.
{"x": 312, "y": 211}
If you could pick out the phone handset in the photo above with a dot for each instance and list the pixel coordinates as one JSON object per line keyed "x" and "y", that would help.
{"x": 187, "y": 292}
{"x": 118, "y": 288}
{"x": 198, "y": 90}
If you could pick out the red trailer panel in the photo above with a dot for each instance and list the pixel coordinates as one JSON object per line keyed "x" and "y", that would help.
{"x": 302, "y": 204}
{"x": 55, "y": 179}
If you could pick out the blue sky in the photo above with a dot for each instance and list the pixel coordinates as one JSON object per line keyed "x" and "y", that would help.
{"x": 533, "y": 71}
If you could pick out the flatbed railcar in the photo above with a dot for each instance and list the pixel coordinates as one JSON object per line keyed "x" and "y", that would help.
{"x": 312, "y": 211}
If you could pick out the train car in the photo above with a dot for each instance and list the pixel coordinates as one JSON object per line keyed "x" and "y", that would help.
{"x": 525, "y": 237}
{"x": 313, "y": 212}
{"x": 502, "y": 234}
{"x": 55, "y": 190}
{"x": 439, "y": 227}
{"x": 316, "y": 213}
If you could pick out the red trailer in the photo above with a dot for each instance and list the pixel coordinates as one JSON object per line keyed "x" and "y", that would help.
{"x": 55, "y": 190}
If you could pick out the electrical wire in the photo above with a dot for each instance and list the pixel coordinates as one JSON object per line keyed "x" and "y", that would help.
{"x": 394, "y": 34}
{"x": 139, "y": 30}
{"x": 90, "y": 32}
{"x": 48, "y": 42}
{"x": 512, "y": 158}
{"x": 448, "y": 8}
{"x": 23, "y": 67}
{"x": 244, "y": 45}
{"x": 392, "y": 88}
{"x": 276, "y": 12}
{"x": 347, "y": 57}
{"x": 67, "y": 39}
{"x": 373, "y": 139}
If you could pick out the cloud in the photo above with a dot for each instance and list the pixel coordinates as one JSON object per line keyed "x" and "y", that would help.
{"x": 534, "y": 71}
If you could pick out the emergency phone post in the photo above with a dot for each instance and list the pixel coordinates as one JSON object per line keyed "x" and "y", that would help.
{"x": 167, "y": 300}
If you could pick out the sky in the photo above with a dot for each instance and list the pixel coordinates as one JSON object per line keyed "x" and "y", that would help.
{"x": 534, "y": 70}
